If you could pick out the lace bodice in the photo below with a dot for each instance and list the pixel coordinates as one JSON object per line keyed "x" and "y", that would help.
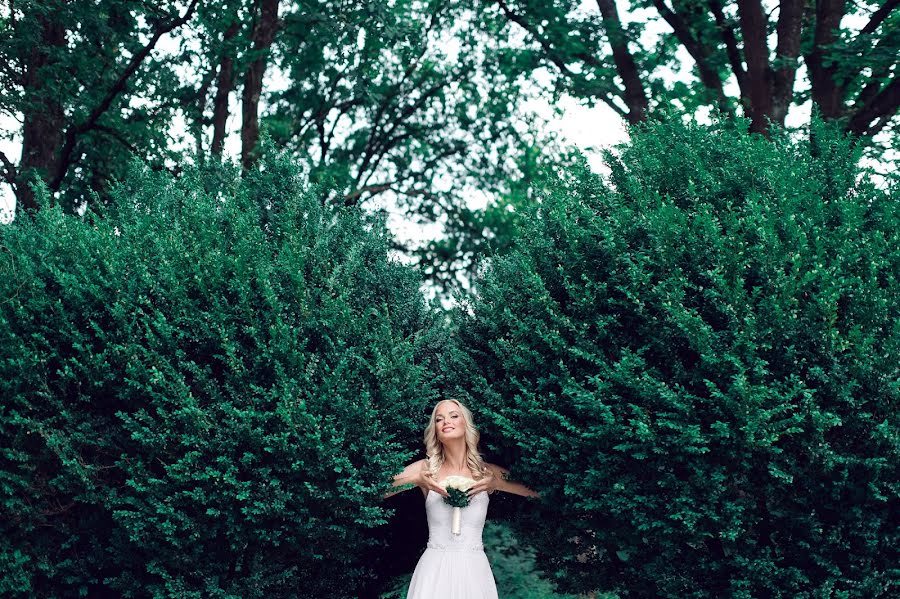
{"x": 440, "y": 514}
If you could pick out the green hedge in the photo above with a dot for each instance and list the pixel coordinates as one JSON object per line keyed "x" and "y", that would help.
{"x": 696, "y": 362}
{"x": 205, "y": 390}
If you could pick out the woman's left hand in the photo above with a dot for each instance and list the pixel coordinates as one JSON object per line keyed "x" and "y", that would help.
{"x": 488, "y": 483}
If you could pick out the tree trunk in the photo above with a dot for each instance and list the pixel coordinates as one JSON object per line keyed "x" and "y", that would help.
{"x": 727, "y": 33}
{"x": 224, "y": 85}
{"x": 262, "y": 36}
{"x": 789, "y": 29}
{"x": 42, "y": 129}
{"x": 635, "y": 98}
{"x": 756, "y": 55}
{"x": 826, "y": 93}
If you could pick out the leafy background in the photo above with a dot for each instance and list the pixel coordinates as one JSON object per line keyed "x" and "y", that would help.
{"x": 215, "y": 354}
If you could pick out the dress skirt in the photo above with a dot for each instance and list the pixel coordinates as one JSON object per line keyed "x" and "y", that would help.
{"x": 452, "y": 573}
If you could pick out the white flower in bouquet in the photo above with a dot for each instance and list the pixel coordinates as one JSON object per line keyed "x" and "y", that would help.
{"x": 456, "y": 487}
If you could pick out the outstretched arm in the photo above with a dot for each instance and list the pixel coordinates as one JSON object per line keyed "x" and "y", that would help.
{"x": 415, "y": 475}
{"x": 498, "y": 480}
{"x": 407, "y": 479}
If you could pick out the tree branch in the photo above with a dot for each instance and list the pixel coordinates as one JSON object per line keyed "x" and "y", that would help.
{"x": 635, "y": 97}
{"x": 65, "y": 154}
{"x": 698, "y": 51}
{"x": 726, "y": 30}
{"x": 826, "y": 93}
{"x": 354, "y": 197}
{"x": 871, "y": 89}
{"x": 545, "y": 44}
{"x": 375, "y": 132}
{"x": 557, "y": 60}
{"x": 884, "y": 104}
{"x": 9, "y": 170}
{"x": 879, "y": 16}
{"x": 116, "y": 135}
{"x": 787, "y": 50}
{"x": 380, "y": 141}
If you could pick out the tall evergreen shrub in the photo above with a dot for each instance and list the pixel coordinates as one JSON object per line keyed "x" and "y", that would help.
{"x": 696, "y": 361}
{"x": 205, "y": 390}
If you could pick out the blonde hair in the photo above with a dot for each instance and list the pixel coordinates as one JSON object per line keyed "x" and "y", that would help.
{"x": 434, "y": 449}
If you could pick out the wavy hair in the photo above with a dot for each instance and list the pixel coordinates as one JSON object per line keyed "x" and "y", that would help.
{"x": 434, "y": 449}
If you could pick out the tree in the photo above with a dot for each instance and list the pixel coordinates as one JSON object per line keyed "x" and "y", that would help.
{"x": 474, "y": 235}
{"x": 695, "y": 363}
{"x": 399, "y": 104}
{"x": 743, "y": 55}
{"x": 206, "y": 390}
{"x": 265, "y": 23}
{"x": 70, "y": 71}
{"x": 409, "y": 105}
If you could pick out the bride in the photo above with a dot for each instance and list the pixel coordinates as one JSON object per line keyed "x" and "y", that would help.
{"x": 454, "y": 565}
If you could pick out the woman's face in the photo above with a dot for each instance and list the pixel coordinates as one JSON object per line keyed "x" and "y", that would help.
{"x": 449, "y": 422}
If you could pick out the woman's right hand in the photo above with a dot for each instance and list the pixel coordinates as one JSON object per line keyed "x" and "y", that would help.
{"x": 426, "y": 481}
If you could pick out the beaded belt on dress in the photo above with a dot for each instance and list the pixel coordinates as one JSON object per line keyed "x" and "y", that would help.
{"x": 443, "y": 547}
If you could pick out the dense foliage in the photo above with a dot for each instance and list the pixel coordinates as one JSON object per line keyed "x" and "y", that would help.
{"x": 205, "y": 391}
{"x": 696, "y": 363}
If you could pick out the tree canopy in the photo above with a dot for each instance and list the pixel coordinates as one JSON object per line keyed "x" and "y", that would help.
{"x": 761, "y": 57}
{"x": 413, "y": 104}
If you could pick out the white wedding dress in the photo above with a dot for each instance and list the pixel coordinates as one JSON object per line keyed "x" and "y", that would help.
{"x": 454, "y": 566}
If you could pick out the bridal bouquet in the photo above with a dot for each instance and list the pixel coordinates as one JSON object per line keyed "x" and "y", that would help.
{"x": 456, "y": 487}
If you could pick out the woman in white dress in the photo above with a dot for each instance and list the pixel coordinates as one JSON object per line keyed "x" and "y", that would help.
{"x": 454, "y": 566}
